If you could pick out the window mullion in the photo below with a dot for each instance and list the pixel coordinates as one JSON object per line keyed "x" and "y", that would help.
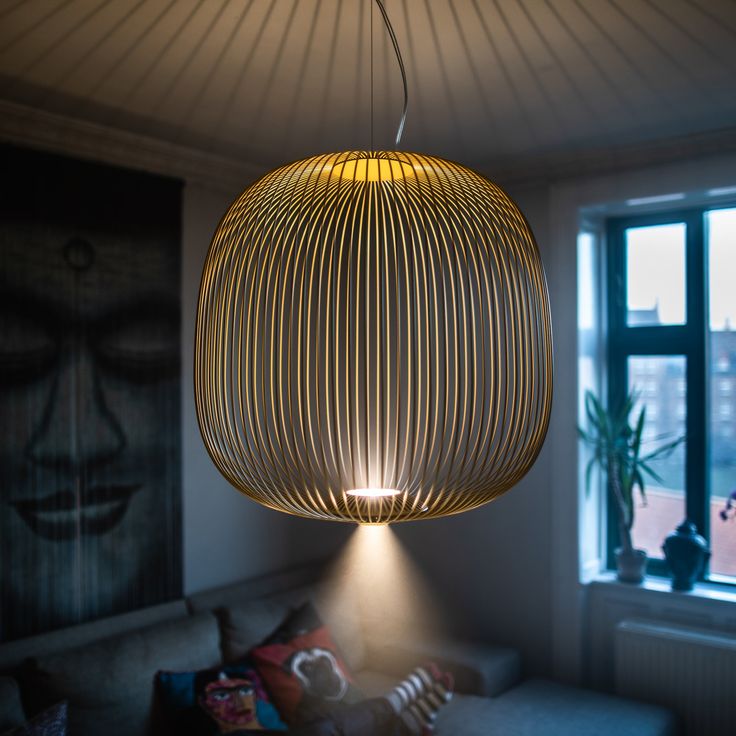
{"x": 696, "y": 458}
{"x": 666, "y": 340}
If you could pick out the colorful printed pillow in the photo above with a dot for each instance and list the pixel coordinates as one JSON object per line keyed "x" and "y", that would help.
{"x": 303, "y": 669}
{"x": 228, "y": 699}
{"x": 51, "y": 722}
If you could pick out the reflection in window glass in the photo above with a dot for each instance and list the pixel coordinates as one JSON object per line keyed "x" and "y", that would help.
{"x": 586, "y": 281}
{"x": 655, "y": 295}
{"x": 665, "y": 505}
{"x": 587, "y": 311}
{"x": 589, "y": 336}
{"x": 721, "y": 241}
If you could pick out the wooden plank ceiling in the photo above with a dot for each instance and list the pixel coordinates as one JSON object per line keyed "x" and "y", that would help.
{"x": 491, "y": 81}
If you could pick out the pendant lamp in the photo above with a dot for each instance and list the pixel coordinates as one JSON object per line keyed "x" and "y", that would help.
{"x": 373, "y": 339}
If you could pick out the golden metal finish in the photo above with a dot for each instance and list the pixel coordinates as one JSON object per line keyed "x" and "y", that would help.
{"x": 373, "y": 321}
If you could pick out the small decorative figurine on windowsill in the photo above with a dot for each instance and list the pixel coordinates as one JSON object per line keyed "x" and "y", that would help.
{"x": 686, "y": 553}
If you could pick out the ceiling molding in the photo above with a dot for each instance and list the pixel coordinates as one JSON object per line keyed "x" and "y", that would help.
{"x": 557, "y": 167}
{"x": 26, "y": 126}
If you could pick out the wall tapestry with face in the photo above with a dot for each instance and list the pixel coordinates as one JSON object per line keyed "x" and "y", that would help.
{"x": 90, "y": 453}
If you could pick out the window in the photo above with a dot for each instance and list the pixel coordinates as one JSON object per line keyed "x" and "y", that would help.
{"x": 671, "y": 319}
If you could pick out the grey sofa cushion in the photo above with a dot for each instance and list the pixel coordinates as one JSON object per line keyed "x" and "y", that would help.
{"x": 11, "y": 709}
{"x": 478, "y": 669}
{"x": 255, "y": 588}
{"x": 543, "y": 708}
{"x": 109, "y": 684}
{"x": 13, "y": 653}
{"x": 244, "y": 626}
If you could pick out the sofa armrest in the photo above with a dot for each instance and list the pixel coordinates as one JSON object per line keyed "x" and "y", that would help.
{"x": 478, "y": 669}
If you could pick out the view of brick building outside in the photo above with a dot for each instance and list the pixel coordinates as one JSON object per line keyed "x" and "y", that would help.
{"x": 661, "y": 383}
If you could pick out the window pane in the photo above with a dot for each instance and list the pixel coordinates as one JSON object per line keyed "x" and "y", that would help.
{"x": 655, "y": 275}
{"x": 721, "y": 233}
{"x": 586, "y": 281}
{"x": 660, "y": 382}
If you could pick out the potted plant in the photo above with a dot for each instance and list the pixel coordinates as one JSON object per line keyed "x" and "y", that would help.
{"x": 616, "y": 446}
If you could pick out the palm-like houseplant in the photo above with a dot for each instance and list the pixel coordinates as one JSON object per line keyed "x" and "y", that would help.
{"x": 616, "y": 446}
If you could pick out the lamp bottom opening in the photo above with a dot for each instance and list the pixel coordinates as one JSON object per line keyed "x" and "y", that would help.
{"x": 373, "y": 492}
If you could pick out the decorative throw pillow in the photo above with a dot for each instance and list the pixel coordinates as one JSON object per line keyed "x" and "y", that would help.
{"x": 228, "y": 699}
{"x": 302, "y": 668}
{"x": 51, "y": 722}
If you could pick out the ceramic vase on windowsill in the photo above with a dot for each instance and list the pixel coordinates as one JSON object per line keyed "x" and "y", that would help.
{"x": 617, "y": 449}
{"x": 686, "y": 553}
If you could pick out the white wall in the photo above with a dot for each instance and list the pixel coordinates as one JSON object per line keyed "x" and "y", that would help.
{"x": 227, "y": 537}
{"x": 490, "y": 569}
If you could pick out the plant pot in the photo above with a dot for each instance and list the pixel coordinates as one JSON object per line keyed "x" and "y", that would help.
{"x": 630, "y": 565}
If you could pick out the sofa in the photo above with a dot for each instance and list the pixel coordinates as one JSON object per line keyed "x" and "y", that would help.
{"x": 105, "y": 668}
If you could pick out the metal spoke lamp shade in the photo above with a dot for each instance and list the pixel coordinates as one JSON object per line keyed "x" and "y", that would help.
{"x": 373, "y": 340}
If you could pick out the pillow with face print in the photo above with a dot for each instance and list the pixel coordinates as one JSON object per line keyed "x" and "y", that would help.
{"x": 303, "y": 669}
{"x": 229, "y": 699}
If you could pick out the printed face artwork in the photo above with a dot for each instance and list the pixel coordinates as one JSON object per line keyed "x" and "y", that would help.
{"x": 231, "y": 702}
{"x": 89, "y": 403}
{"x": 319, "y": 673}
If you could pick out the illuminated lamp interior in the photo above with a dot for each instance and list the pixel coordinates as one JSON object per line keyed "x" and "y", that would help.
{"x": 373, "y": 492}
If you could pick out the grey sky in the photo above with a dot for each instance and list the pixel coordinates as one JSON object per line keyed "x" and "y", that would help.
{"x": 656, "y": 269}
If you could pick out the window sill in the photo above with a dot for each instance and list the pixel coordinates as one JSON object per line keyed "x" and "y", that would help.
{"x": 718, "y": 593}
